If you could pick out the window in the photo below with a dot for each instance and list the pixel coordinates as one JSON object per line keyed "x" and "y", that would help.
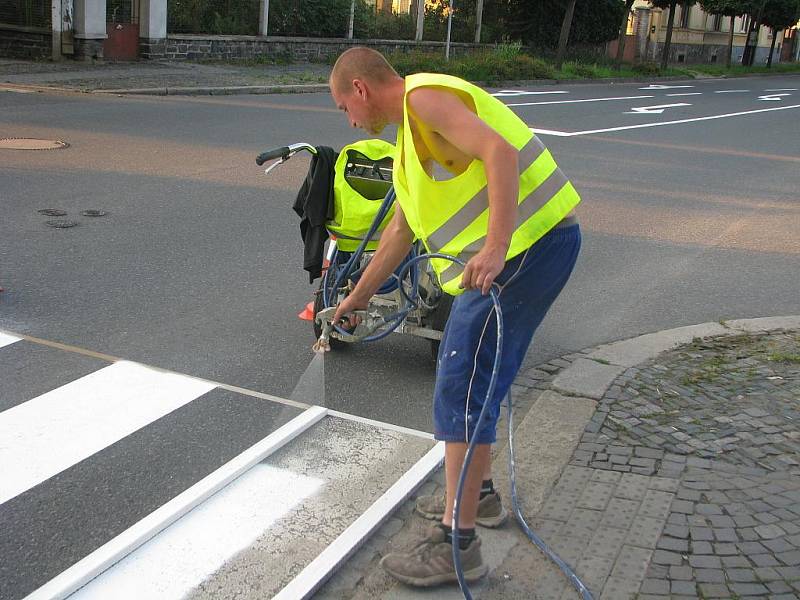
{"x": 717, "y": 22}
{"x": 684, "y": 16}
{"x": 744, "y": 23}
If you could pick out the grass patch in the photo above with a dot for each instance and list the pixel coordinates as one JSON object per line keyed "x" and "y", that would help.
{"x": 784, "y": 357}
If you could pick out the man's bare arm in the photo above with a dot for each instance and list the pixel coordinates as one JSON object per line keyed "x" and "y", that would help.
{"x": 447, "y": 115}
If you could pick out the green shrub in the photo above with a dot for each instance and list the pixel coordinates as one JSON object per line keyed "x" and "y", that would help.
{"x": 646, "y": 68}
{"x": 489, "y": 66}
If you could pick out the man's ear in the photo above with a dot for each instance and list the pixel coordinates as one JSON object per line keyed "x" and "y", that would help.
{"x": 360, "y": 88}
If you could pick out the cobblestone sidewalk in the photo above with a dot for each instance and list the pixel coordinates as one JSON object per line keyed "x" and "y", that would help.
{"x": 685, "y": 483}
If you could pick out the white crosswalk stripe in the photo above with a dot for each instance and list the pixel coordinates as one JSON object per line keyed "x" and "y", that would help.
{"x": 52, "y": 432}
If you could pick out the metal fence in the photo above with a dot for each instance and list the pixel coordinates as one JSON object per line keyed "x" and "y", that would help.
{"x": 26, "y": 13}
{"x": 381, "y": 19}
{"x": 217, "y": 17}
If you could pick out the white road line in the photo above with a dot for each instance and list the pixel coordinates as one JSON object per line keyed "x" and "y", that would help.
{"x": 506, "y": 93}
{"x": 687, "y": 94}
{"x": 579, "y": 101}
{"x": 782, "y": 90}
{"x": 111, "y": 552}
{"x": 56, "y": 430}
{"x": 660, "y": 86}
{"x": 730, "y": 91}
{"x": 643, "y": 125}
{"x": 7, "y": 340}
{"x": 552, "y": 132}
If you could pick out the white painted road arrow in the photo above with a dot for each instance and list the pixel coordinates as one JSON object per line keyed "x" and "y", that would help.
{"x": 774, "y": 97}
{"x": 653, "y": 110}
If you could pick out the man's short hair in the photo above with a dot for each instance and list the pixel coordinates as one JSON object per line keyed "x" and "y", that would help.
{"x": 360, "y": 63}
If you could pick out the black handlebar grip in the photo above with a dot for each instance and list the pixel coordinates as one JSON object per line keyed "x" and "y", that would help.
{"x": 270, "y": 154}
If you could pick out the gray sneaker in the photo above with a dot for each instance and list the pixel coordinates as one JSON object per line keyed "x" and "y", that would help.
{"x": 431, "y": 561}
{"x": 490, "y": 509}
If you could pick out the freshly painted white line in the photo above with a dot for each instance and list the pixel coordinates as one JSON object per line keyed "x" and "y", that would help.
{"x": 318, "y": 570}
{"x": 730, "y": 91}
{"x": 654, "y": 110}
{"x": 7, "y": 340}
{"x": 773, "y": 97}
{"x": 506, "y": 93}
{"x": 194, "y": 547}
{"x": 52, "y": 432}
{"x": 659, "y": 86}
{"x": 579, "y": 101}
{"x": 687, "y": 94}
{"x": 98, "y": 561}
{"x": 643, "y": 125}
{"x": 782, "y": 90}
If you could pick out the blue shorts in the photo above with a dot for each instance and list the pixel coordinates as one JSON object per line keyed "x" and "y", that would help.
{"x": 530, "y": 282}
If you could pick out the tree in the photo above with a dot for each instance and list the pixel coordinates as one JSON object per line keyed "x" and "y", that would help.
{"x": 671, "y": 5}
{"x": 778, "y": 15}
{"x": 727, "y": 8}
{"x": 623, "y": 34}
{"x": 566, "y": 25}
{"x": 755, "y": 8}
{"x": 536, "y": 23}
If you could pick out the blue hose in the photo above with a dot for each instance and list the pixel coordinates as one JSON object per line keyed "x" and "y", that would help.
{"x": 565, "y": 568}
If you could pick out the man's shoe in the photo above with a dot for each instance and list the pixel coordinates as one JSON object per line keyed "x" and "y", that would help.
{"x": 490, "y": 509}
{"x": 431, "y": 562}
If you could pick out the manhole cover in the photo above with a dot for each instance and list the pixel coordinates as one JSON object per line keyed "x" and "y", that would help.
{"x": 61, "y": 223}
{"x": 53, "y": 212}
{"x": 94, "y": 213}
{"x": 31, "y": 144}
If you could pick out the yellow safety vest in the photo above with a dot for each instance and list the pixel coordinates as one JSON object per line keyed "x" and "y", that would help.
{"x": 353, "y": 213}
{"x": 452, "y": 215}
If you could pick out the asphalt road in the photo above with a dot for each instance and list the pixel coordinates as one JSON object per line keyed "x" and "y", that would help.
{"x": 198, "y": 266}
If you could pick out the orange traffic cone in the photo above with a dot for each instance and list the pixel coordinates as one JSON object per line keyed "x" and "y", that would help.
{"x": 307, "y": 314}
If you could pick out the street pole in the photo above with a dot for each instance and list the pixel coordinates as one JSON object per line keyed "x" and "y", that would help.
{"x": 351, "y": 19}
{"x": 449, "y": 24}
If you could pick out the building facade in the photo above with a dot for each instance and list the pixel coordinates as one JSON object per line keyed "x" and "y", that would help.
{"x": 698, "y": 37}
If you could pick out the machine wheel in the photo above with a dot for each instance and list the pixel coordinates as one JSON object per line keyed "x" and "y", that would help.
{"x": 438, "y": 319}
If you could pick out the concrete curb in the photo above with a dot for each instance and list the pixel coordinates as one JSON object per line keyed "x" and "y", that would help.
{"x": 323, "y": 87}
{"x": 591, "y": 377}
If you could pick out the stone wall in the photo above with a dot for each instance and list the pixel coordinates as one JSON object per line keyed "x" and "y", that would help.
{"x": 25, "y": 42}
{"x": 183, "y": 47}
{"x": 705, "y": 53}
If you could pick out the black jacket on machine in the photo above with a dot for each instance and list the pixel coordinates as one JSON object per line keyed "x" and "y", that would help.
{"x": 314, "y": 206}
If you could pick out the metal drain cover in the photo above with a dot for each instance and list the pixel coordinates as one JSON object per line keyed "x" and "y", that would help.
{"x": 31, "y": 144}
{"x": 61, "y": 223}
{"x": 94, "y": 213}
{"x": 53, "y": 212}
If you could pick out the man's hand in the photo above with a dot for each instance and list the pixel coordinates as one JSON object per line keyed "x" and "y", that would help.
{"x": 483, "y": 268}
{"x": 346, "y": 307}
